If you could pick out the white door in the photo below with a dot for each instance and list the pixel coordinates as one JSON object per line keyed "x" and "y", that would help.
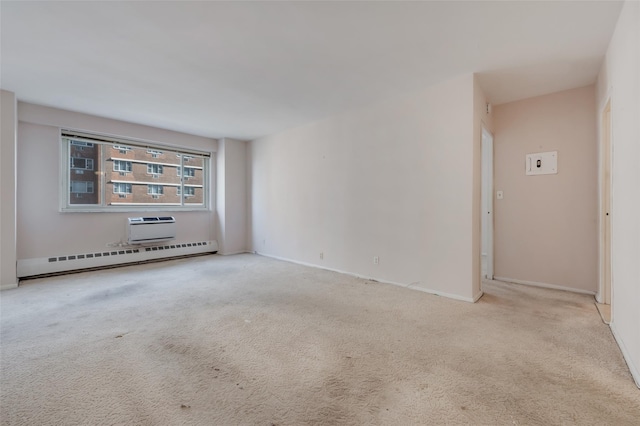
{"x": 487, "y": 206}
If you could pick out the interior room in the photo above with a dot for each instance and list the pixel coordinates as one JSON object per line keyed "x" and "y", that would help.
{"x": 320, "y": 212}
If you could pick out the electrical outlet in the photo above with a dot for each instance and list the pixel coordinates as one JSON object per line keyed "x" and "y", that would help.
{"x": 321, "y": 255}
{"x": 376, "y": 260}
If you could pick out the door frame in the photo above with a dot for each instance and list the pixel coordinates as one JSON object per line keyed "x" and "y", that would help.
{"x": 606, "y": 166}
{"x": 486, "y": 201}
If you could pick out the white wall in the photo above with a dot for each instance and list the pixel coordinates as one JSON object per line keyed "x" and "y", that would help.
{"x": 546, "y": 226}
{"x": 42, "y": 230}
{"x": 619, "y": 80}
{"x": 8, "y": 190}
{"x": 220, "y": 195}
{"x": 393, "y": 180}
{"x": 231, "y": 196}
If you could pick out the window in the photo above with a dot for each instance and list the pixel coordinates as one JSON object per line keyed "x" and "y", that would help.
{"x": 189, "y": 191}
{"x": 81, "y": 163}
{"x": 155, "y": 189}
{"x": 81, "y": 145}
{"x": 187, "y": 171}
{"x": 122, "y": 188}
{"x": 121, "y": 166}
{"x": 112, "y": 174}
{"x": 154, "y": 169}
{"x": 80, "y": 187}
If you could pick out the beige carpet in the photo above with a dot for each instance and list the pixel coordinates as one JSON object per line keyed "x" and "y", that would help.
{"x": 247, "y": 340}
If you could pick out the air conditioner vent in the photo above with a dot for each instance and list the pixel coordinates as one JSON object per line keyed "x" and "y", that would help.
{"x": 142, "y": 230}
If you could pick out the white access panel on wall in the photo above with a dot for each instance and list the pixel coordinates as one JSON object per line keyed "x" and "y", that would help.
{"x": 542, "y": 163}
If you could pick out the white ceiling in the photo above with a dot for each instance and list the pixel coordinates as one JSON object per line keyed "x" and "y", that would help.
{"x": 247, "y": 69}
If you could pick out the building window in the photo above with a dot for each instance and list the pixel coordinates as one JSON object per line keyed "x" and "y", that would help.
{"x": 121, "y": 166}
{"x": 155, "y": 189}
{"x": 189, "y": 191}
{"x": 81, "y": 163}
{"x": 122, "y": 188}
{"x": 154, "y": 169}
{"x": 80, "y": 187}
{"x": 186, "y": 171}
{"x": 82, "y": 143}
{"x": 100, "y": 178}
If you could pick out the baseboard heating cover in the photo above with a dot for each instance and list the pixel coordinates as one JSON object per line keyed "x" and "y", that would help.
{"x": 110, "y": 257}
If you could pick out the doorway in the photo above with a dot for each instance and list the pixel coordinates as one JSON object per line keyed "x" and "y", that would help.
{"x": 486, "y": 251}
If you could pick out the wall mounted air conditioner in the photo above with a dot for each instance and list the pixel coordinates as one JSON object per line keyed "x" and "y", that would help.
{"x": 143, "y": 230}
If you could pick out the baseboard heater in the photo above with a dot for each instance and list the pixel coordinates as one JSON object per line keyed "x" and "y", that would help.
{"x": 29, "y": 268}
{"x": 144, "y": 230}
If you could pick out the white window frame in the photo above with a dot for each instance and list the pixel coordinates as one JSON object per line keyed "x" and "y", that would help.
{"x": 86, "y": 187}
{"x": 102, "y": 171}
{"x": 82, "y": 143}
{"x": 119, "y": 163}
{"x": 87, "y": 161}
{"x": 154, "y": 189}
{"x": 192, "y": 173}
{"x": 128, "y": 188}
{"x": 158, "y": 167}
{"x": 190, "y": 193}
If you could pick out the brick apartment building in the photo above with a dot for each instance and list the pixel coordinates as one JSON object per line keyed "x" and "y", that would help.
{"x": 84, "y": 158}
{"x": 133, "y": 175}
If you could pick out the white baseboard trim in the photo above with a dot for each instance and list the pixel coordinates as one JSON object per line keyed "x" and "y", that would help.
{"x": 8, "y": 286}
{"x": 411, "y": 286}
{"x": 235, "y": 252}
{"x": 111, "y": 256}
{"x": 545, "y": 285}
{"x": 447, "y": 295}
{"x": 635, "y": 373}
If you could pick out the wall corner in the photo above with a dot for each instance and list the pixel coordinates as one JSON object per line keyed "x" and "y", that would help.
{"x": 8, "y": 190}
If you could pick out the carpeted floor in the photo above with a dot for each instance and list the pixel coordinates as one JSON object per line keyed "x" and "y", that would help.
{"x": 248, "y": 340}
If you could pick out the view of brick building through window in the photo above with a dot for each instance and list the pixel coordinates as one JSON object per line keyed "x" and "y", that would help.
{"x": 133, "y": 176}
{"x": 83, "y": 176}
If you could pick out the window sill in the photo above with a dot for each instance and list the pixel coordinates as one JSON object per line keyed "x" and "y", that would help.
{"x": 131, "y": 209}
